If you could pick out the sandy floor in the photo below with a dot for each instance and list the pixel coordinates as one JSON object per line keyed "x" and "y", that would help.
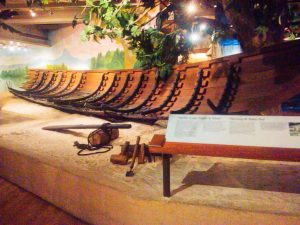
{"x": 251, "y": 185}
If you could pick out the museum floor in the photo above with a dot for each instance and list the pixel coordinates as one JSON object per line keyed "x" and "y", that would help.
{"x": 21, "y": 207}
{"x": 205, "y": 190}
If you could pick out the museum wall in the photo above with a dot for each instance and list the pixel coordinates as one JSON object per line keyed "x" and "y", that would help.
{"x": 67, "y": 51}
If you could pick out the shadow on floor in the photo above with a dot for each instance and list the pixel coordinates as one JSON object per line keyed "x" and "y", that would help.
{"x": 71, "y": 132}
{"x": 8, "y": 118}
{"x": 247, "y": 175}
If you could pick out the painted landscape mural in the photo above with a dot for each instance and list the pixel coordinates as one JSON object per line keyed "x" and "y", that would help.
{"x": 109, "y": 60}
{"x": 67, "y": 51}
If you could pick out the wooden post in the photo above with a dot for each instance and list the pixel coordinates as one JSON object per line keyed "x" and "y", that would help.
{"x": 166, "y": 175}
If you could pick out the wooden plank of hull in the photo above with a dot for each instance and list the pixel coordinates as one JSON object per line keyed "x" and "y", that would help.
{"x": 57, "y": 76}
{"x": 106, "y": 87}
{"x": 213, "y": 75}
{"x": 162, "y": 95}
{"x": 87, "y": 89}
{"x": 36, "y": 86}
{"x": 34, "y": 80}
{"x": 60, "y": 76}
{"x": 119, "y": 86}
{"x": 134, "y": 83}
{"x": 65, "y": 81}
{"x": 187, "y": 93}
{"x": 245, "y": 83}
{"x": 75, "y": 82}
{"x": 113, "y": 91}
{"x": 31, "y": 79}
{"x": 46, "y": 82}
{"x": 140, "y": 96}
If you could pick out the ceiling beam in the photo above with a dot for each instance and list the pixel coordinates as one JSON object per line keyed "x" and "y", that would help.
{"x": 22, "y": 7}
{"x": 27, "y": 34}
{"x": 61, "y": 16}
{"x": 49, "y": 27}
{"x": 2, "y": 4}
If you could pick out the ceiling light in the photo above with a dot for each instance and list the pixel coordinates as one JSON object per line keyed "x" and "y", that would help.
{"x": 215, "y": 6}
{"x": 194, "y": 37}
{"x": 191, "y": 8}
{"x": 11, "y": 48}
{"x": 32, "y": 13}
{"x": 202, "y": 26}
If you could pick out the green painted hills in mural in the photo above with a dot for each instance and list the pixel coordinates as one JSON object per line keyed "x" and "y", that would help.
{"x": 57, "y": 67}
{"x": 18, "y": 73}
{"x": 13, "y": 77}
{"x": 110, "y": 60}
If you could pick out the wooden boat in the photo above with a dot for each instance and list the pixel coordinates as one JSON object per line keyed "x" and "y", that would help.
{"x": 254, "y": 84}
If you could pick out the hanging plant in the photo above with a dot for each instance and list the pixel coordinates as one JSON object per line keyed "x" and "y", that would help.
{"x": 153, "y": 47}
{"x": 256, "y": 23}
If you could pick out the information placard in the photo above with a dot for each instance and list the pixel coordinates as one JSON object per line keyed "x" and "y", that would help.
{"x": 262, "y": 131}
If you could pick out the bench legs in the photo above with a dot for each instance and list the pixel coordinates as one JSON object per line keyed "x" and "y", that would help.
{"x": 166, "y": 175}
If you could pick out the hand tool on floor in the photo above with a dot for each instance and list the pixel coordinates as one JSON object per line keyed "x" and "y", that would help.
{"x": 98, "y": 139}
{"x": 122, "y": 158}
{"x": 141, "y": 155}
{"x": 88, "y": 126}
{"x": 135, "y": 152}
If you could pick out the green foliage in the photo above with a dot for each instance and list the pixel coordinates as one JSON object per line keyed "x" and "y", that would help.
{"x": 14, "y": 77}
{"x": 262, "y": 30}
{"x": 153, "y": 48}
{"x": 19, "y": 73}
{"x": 258, "y": 23}
{"x": 137, "y": 64}
{"x": 57, "y": 67}
{"x": 255, "y": 23}
{"x": 111, "y": 60}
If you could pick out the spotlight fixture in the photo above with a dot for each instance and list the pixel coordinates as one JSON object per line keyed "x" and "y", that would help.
{"x": 203, "y": 26}
{"x": 11, "y": 48}
{"x": 215, "y": 6}
{"x": 32, "y": 13}
{"x": 194, "y": 37}
{"x": 191, "y": 8}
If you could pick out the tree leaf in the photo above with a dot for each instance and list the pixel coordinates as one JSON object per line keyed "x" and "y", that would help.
{"x": 136, "y": 31}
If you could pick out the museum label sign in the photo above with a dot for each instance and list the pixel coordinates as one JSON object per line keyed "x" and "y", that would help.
{"x": 261, "y": 131}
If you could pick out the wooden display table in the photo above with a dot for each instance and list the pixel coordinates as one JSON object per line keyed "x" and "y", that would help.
{"x": 159, "y": 145}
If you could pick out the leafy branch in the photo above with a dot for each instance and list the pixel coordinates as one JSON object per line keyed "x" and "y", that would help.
{"x": 153, "y": 47}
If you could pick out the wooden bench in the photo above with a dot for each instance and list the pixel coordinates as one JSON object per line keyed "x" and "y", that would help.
{"x": 159, "y": 145}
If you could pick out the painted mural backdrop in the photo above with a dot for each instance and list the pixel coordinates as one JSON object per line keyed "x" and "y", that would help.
{"x": 67, "y": 51}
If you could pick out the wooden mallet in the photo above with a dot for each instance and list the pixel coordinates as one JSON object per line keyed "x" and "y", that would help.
{"x": 135, "y": 152}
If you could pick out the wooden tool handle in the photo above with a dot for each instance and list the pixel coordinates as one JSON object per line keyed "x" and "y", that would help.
{"x": 141, "y": 157}
{"x": 119, "y": 126}
{"x": 135, "y": 151}
{"x": 125, "y": 148}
